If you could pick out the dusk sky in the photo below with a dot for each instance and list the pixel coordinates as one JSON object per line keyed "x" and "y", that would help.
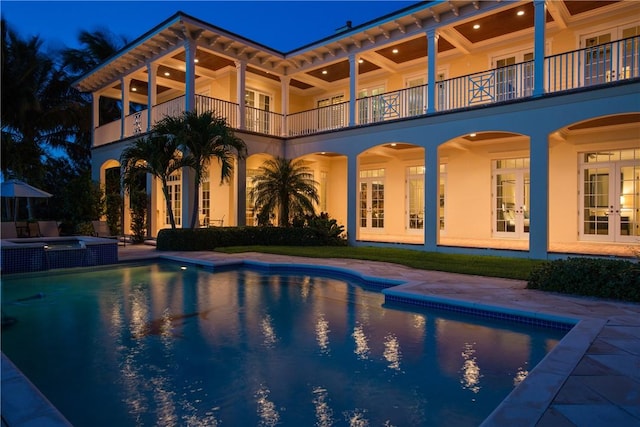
{"x": 282, "y": 25}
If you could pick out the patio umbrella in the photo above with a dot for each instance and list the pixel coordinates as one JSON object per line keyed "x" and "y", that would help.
{"x": 17, "y": 189}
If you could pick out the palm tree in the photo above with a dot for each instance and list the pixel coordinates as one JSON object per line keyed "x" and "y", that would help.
{"x": 96, "y": 47}
{"x": 157, "y": 155}
{"x": 31, "y": 105}
{"x": 287, "y": 186}
{"x": 203, "y": 137}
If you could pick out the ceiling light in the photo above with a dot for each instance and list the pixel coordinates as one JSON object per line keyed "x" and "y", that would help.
{"x": 360, "y": 61}
{"x": 393, "y": 144}
{"x": 476, "y": 26}
{"x": 323, "y": 152}
{"x": 196, "y": 60}
{"x": 166, "y": 73}
{"x": 472, "y": 135}
{"x": 133, "y": 89}
{"x": 394, "y": 51}
{"x": 520, "y": 13}
{"x": 324, "y": 71}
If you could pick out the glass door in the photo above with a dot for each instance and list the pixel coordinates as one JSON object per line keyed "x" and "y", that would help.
{"x": 415, "y": 198}
{"x": 258, "y": 107}
{"x": 506, "y": 78}
{"x": 511, "y": 198}
{"x": 608, "y": 60}
{"x": 416, "y": 99}
{"x": 597, "y": 61}
{"x": 174, "y": 187}
{"x": 370, "y": 105}
{"x": 610, "y": 201}
{"x": 371, "y": 200}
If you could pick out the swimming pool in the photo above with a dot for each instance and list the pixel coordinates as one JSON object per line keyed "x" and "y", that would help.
{"x": 159, "y": 345}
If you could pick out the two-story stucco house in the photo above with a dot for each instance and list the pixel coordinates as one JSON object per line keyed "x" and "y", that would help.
{"x": 502, "y": 127}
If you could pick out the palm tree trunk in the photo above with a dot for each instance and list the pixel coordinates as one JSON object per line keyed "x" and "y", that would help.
{"x": 165, "y": 191}
{"x": 196, "y": 200}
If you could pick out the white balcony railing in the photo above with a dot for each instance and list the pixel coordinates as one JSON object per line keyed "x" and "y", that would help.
{"x": 171, "y": 108}
{"x": 226, "y": 109}
{"x": 408, "y": 102}
{"x": 596, "y": 65}
{"x": 319, "y": 119}
{"x": 263, "y": 121}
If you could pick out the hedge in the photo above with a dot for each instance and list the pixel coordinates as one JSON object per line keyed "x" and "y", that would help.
{"x": 597, "y": 277}
{"x": 207, "y": 239}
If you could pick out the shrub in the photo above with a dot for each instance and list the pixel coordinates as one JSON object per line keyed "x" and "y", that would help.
{"x": 207, "y": 239}
{"x": 326, "y": 228}
{"x": 603, "y": 278}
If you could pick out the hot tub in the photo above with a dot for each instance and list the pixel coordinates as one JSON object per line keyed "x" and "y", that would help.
{"x": 38, "y": 254}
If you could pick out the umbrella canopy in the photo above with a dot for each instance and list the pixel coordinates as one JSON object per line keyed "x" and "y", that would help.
{"x": 15, "y": 188}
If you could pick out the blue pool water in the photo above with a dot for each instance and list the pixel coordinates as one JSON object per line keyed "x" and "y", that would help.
{"x": 151, "y": 345}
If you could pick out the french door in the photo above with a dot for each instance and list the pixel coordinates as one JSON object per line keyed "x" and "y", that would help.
{"x": 511, "y": 195}
{"x": 258, "y": 107}
{"x": 416, "y": 96}
{"x": 514, "y": 76}
{"x": 174, "y": 188}
{"x": 606, "y": 60}
{"x": 371, "y": 200}
{"x": 415, "y": 198}
{"x": 610, "y": 201}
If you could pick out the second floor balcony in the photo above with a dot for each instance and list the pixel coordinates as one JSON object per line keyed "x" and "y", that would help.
{"x": 582, "y": 69}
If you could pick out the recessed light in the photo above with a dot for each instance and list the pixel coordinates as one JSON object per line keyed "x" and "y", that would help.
{"x": 323, "y": 152}
{"x": 166, "y": 73}
{"x": 394, "y": 51}
{"x": 196, "y": 60}
{"x": 393, "y": 144}
{"x": 520, "y": 13}
{"x": 324, "y": 71}
{"x": 133, "y": 89}
{"x": 472, "y": 135}
{"x": 360, "y": 61}
{"x": 475, "y": 27}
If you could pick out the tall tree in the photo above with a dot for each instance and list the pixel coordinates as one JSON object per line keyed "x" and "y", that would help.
{"x": 204, "y": 138}
{"x": 96, "y": 47}
{"x": 31, "y": 109}
{"x": 157, "y": 155}
{"x": 285, "y": 186}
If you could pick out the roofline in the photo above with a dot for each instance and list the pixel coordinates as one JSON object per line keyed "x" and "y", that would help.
{"x": 164, "y": 24}
{"x": 366, "y": 25}
{"x": 178, "y": 16}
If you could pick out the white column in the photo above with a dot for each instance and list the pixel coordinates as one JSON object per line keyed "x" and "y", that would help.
{"x": 152, "y": 92}
{"x": 284, "y": 81}
{"x": 538, "y": 47}
{"x": 539, "y": 209}
{"x": 431, "y": 198}
{"x": 241, "y": 202}
{"x": 353, "y": 81}
{"x": 432, "y": 72}
{"x": 153, "y": 220}
{"x": 95, "y": 116}
{"x": 190, "y": 75}
{"x": 124, "y": 86}
{"x": 352, "y": 198}
{"x": 241, "y": 71}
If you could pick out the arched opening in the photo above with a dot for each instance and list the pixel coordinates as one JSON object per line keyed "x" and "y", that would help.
{"x": 390, "y": 201}
{"x": 484, "y": 196}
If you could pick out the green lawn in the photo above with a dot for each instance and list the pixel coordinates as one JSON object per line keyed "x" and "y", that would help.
{"x": 511, "y": 268}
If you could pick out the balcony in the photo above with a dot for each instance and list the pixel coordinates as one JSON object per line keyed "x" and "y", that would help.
{"x": 592, "y": 67}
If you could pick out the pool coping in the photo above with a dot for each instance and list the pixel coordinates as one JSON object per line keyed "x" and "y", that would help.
{"x": 525, "y": 405}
